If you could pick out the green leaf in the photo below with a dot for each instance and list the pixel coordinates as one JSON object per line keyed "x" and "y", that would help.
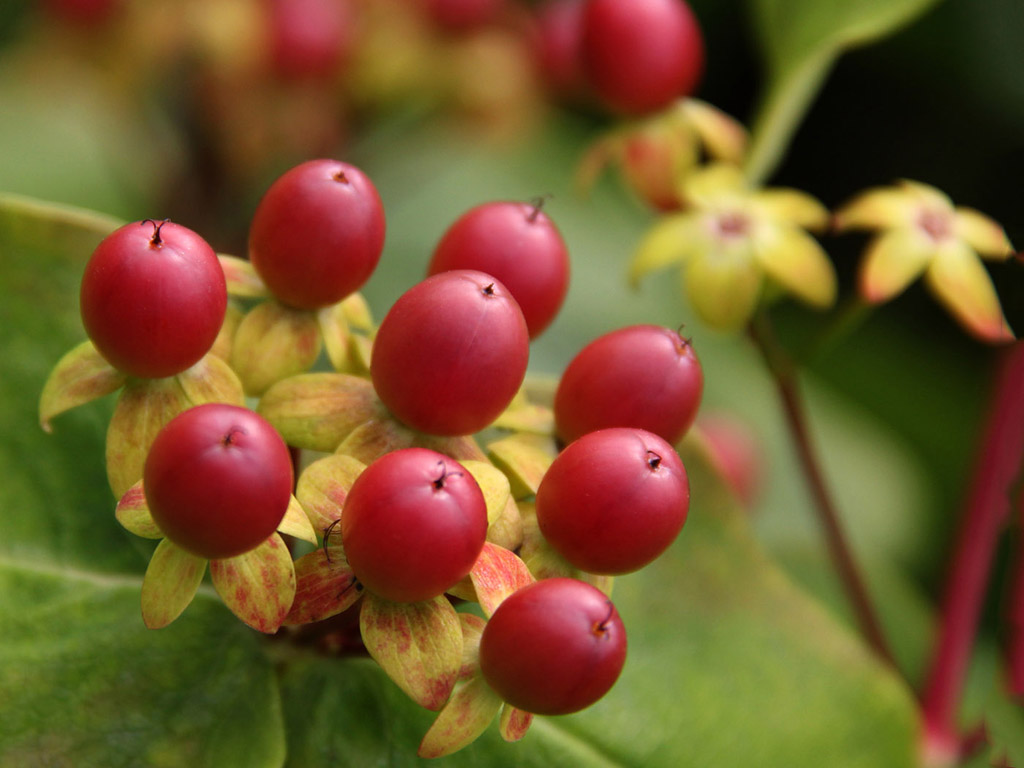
{"x": 801, "y": 40}
{"x": 86, "y": 684}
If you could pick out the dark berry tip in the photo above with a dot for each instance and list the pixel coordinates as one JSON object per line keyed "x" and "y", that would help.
{"x": 155, "y": 239}
{"x": 536, "y": 204}
{"x": 653, "y": 460}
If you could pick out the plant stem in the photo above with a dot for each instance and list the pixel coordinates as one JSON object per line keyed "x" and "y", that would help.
{"x": 783, "y": 371}
{"x": 1015, "y": 611}
{"x": 986, "y": 510}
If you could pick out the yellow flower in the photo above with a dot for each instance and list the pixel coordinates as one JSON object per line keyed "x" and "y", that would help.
{"x": 730, "y": 238}
{"x": 921, "y": 232}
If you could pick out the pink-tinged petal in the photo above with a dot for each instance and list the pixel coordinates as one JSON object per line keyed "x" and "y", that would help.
{"x": 715, "y": 185}
{"x": 791, "y": 206}
{"x": 418, "y": 645}
{"x": 324, "y": 587}
{"x": 296, "y": 523}
{"x": 259, "y": 586}
{"x": 959, "y": 280}
{"x": 795, "y": 260}
{"x": 983, "y": 234}
{"x": 724, "y": 286}
{"x": 878, "y": 208}
{"x": 893, "y": 261}
{"x": 79, "y": 377}
{"x": 672, "y": 240}
{"x": 171, "y": 581}
{"x": 496, "y": 574}
{"x": 133, "y": 514}
{"x": 514, "y": 723}
{"x": 724, "y": 137}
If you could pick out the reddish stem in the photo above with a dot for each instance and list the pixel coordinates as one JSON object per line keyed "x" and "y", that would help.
{"x": 1015, "y": 611}
{"x": 783, "y": 371}
{"x": 985, "y": 513}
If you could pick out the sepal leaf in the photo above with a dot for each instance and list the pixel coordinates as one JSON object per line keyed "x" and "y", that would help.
{"x": 317, "y": 411}
{"x": 272, "y": 343}
{"x": 473, "y": 704}
{"x": 257, "y": 586}
{"x": 80, "y": 376}
{"x": 241, "y": 278}
{"x": 211, "y": 380}
{"x": 323, "y": 487}
{"x": 171, "y": 581}
{"x": 324, "y": 586}
{"x": 493, "y": 484}
{"x": 496, "y": 574}
{"x": 133, "y": 513}
{"x": 524, "y": 459}
{"x": 418, "y": 645}
{"x": 514, "y": 723}
{"x": 297, "y": 523}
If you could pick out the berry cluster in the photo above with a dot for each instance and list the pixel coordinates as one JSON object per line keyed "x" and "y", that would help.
{"x": 375, "y": 461}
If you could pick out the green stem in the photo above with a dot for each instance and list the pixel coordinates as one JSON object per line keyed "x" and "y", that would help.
{"x": 849, "y": 317}
{"x": 783, "y": 371}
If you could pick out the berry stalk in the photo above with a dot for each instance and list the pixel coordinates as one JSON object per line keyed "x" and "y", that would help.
{"x": 985, "y": 513}
{"x": 783, "y": 370}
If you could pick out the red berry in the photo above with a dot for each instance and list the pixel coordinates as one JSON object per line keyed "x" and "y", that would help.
{"x": 317, "y": 234}
{"x": 643, "y": 376}
{"x": 153, "y": 298}
{"x": 516, "y": 243}
{"x": 559, "y": 35}
{"x": 462, "y": 15}
{"x": 735, "y": 452}
{"x": 640, "y": 55}
{"x": 553, "y": 647}
{"x": 413, "y": 525}
{"x": 451, "y": 353}
{"x": 218, "y": 480}
{"x": 309, "y": 38}
{"x": 614, "y": 500}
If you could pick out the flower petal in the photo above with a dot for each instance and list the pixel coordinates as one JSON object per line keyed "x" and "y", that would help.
{"x": 796, "y": 261}
{"x": 715, "y": 183}
{"x": 724, "y": 137}
{"x": 672, "y": 239}
{"x": 792, "y": 206}
{"x": 877, "y": 208}
{"x": 960, "y": 282}
{"x": 723, "y": 285}
{"x": 892, "y": 262}
{"x": 983, "y": 234}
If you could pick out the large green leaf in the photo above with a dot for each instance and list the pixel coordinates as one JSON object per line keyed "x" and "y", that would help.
{"x": 729, "y": 661}
{"x": 801, "y": 40}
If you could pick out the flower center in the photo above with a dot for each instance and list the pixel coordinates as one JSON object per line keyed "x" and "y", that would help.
{"x": 938, "y": 225}
{"x": 732, "y": 224}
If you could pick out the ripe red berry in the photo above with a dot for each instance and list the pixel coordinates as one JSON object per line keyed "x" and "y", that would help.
{"x": 153, "y": 298}
{"x": 309, "y": 38}
{"x": 643, "y": 376}
{"x": 614, "y": 500}
{"x": 462, "y": 15}
{"x": 413, "y": 525}
{"x": 516, "y": 243}
{"x": 451, "y": 353}
{"x": 317, "y": 234}
{"x": 218, "y": 480}
{"x": 559, "y": 35}
{"x": 553, "y": 647}
{"x": 640, "y": 55}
